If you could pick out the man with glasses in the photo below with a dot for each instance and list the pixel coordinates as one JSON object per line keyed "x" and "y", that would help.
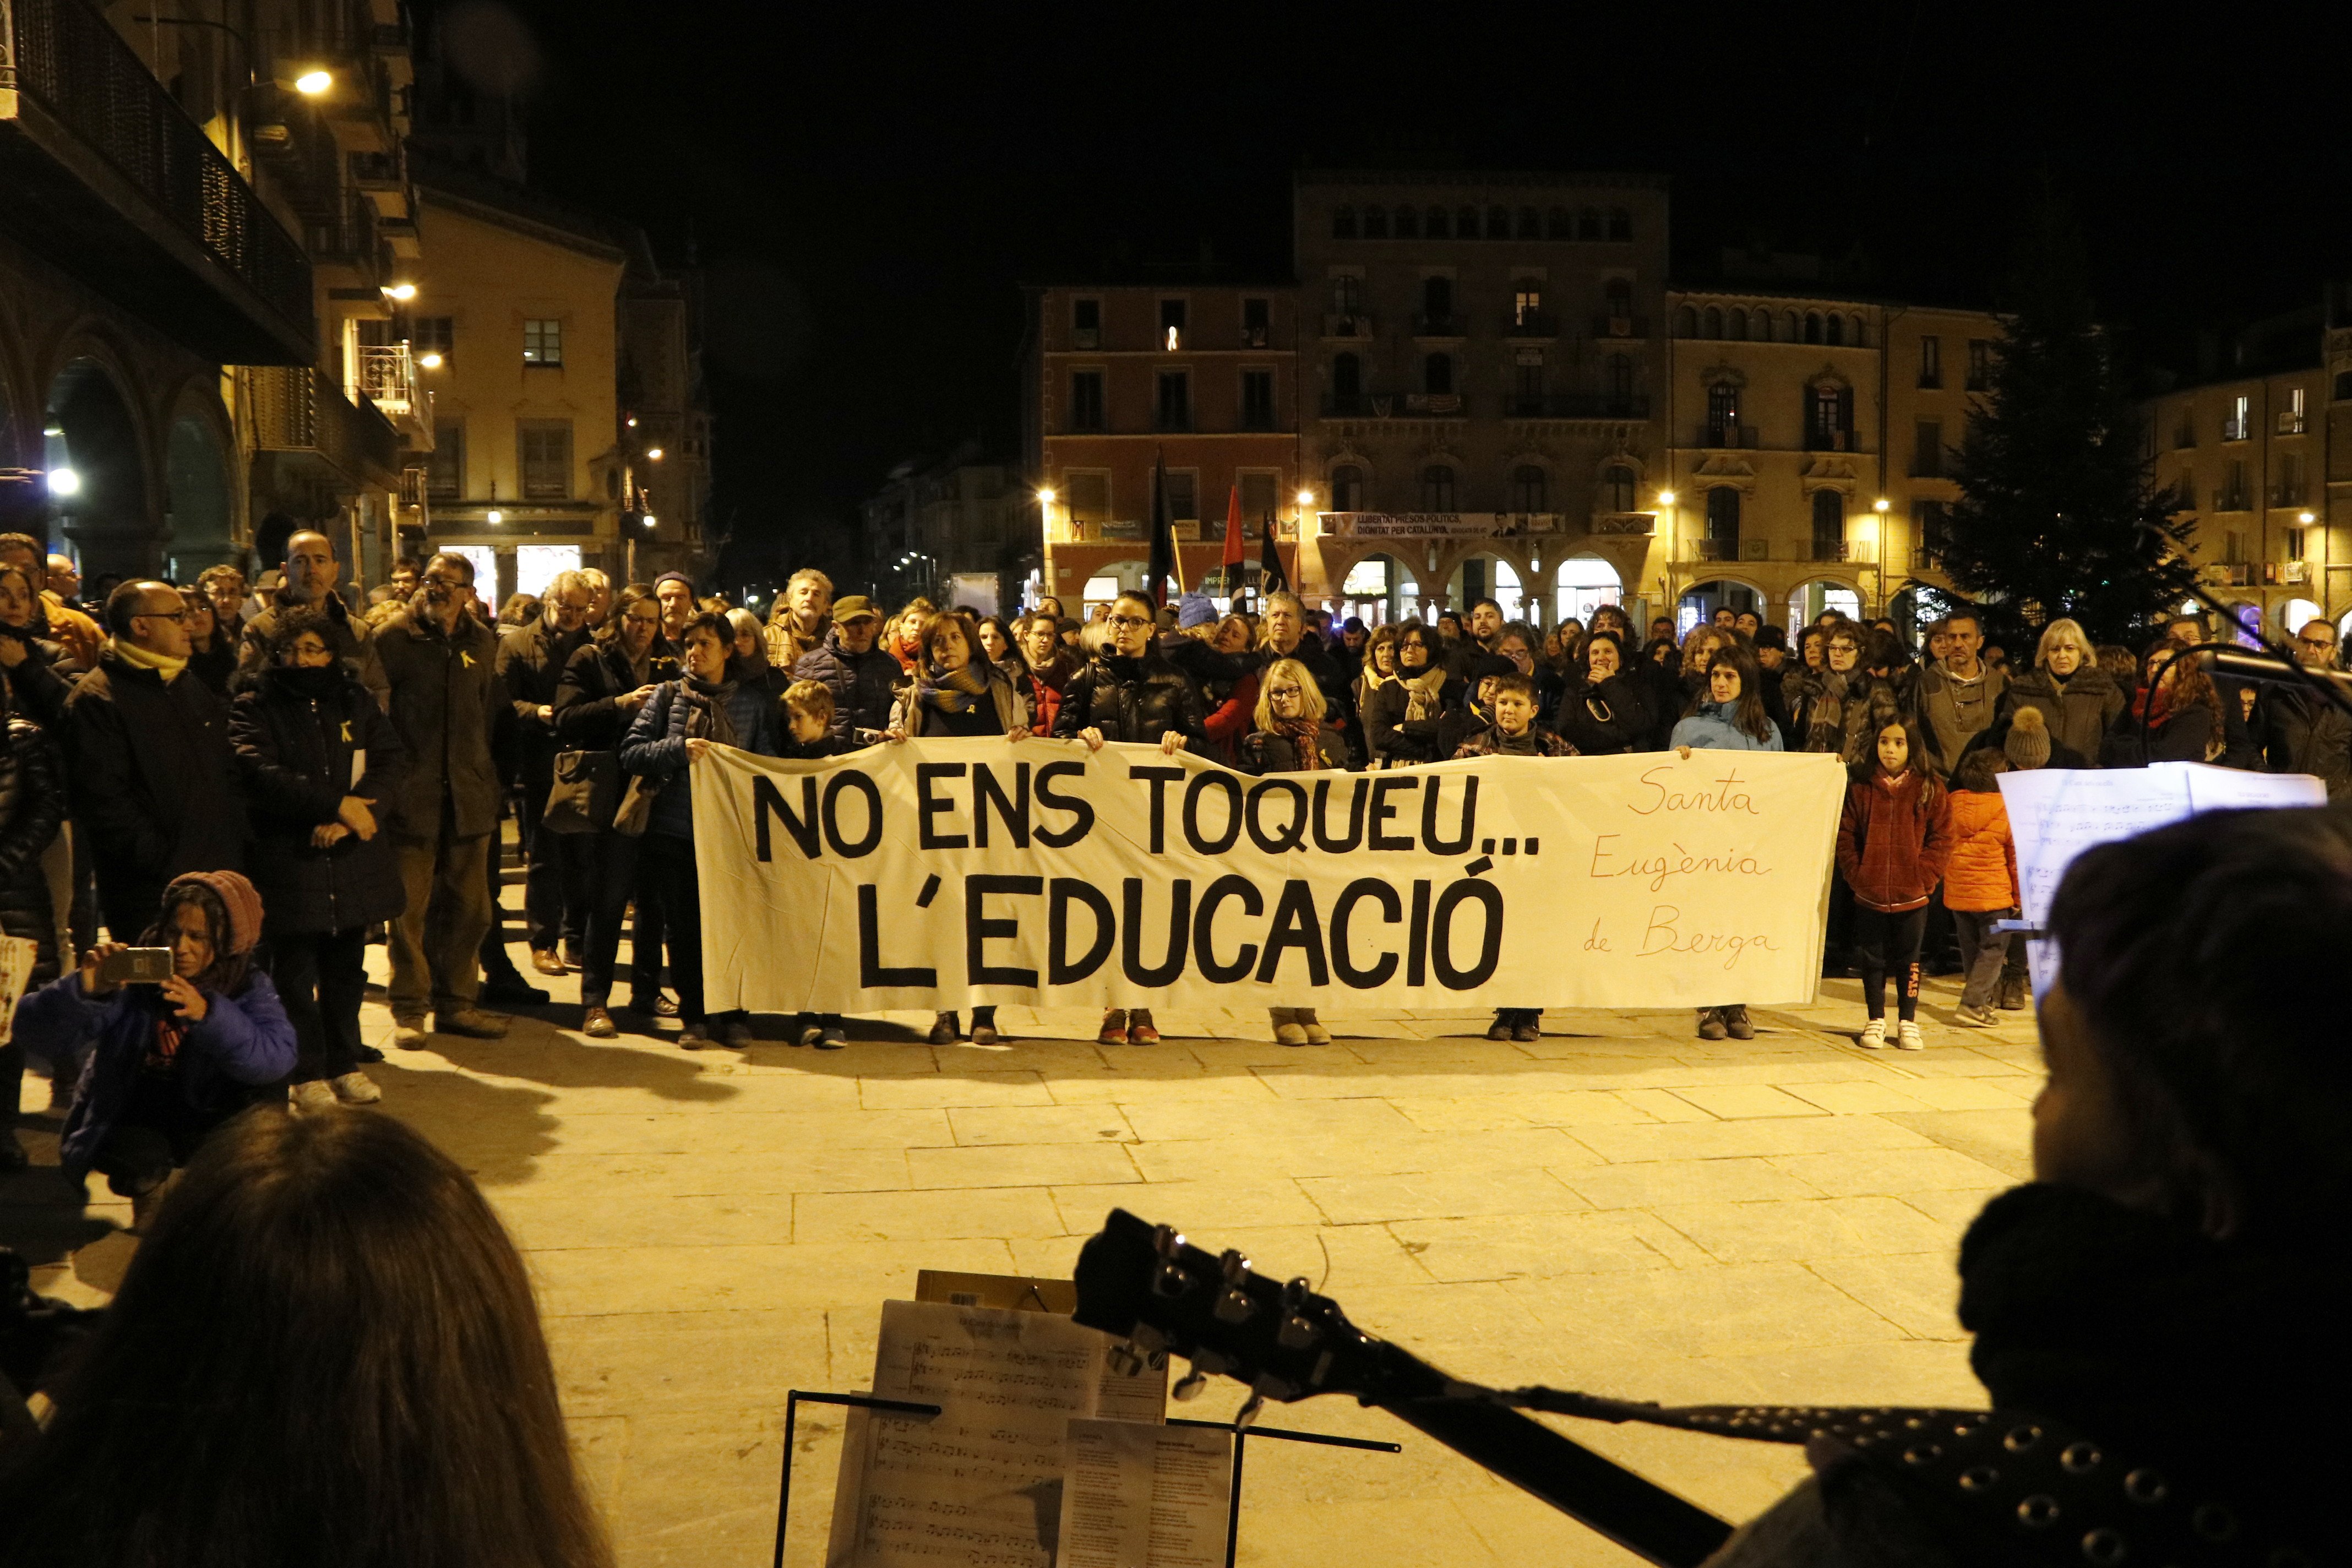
{"x": 308, "y": 583}
{"x": 2302, "y": 732}
{"x": 440, "y": 664}
{"x": 153, "y": 775}
{"x": 530, "y": 663}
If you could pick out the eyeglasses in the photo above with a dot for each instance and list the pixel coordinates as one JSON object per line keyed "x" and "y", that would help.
{"x": 1128, "y": 623}
{"x": 179, "y": 614}
{"x": 2321, "y": 643}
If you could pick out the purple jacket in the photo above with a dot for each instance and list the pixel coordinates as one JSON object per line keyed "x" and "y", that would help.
{"x": 245, "y": 1041}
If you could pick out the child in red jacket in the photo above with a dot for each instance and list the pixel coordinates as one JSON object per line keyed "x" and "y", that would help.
{"x": 1892, "y": 843}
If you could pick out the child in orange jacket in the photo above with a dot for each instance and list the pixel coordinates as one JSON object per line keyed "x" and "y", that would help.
{"x": 1980, "y": 880}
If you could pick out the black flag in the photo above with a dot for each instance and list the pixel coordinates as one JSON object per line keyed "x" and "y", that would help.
{"x": 1162, "y": 564}
{"x": 1272, "y": 578}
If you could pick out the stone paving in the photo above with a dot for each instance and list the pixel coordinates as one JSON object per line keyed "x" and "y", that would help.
{"x": 1619, "y": 1207}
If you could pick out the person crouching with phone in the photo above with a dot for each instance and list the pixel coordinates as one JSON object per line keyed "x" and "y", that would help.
{"x": 176, "y": 1047}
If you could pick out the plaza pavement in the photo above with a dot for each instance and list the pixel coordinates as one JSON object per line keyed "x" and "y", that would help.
{"x": 1620, "y": 1207}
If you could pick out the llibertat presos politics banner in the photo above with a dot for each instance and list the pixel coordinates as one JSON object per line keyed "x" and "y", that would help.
{"x": 947, "y": 873}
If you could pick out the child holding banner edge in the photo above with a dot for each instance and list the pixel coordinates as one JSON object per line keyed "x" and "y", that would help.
{"x": 1728, "y": 715}
{"x": 1893, "y": 840}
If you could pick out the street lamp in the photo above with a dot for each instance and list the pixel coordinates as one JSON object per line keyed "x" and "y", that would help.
{"x": 312, "y": 83}
{"x": 429, "y": 360}
{"x": 653, "y": 454}
{"x": 64, "y": 482}
{"x": 1882, "y": 506}
{"x": 404, "y": 292}
{"x": 496, "y": 517}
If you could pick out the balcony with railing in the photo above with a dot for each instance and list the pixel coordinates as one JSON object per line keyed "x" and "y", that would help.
{"x": 2291, "y": 422}
{"x": 302, "y": 416}
{"x": 1530, "y": 324}
{"x": 1347, "y": 324}
{"x": 1575, "y": 406}
{"x": 1396, "y": 405}
{"x": 1728, "y": 434}
{"x": 388, "y": 378}
{"x": 1426, "y": 325}
{"x": 107, "y": 177}
{"x": 1614, "y": 326}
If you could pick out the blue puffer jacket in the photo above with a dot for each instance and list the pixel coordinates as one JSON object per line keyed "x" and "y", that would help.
{"x": 656, "y": 743}
{"x": 864, "y": 686}
{"x": 244, "y": 1042}
{"x": 1714, "y": 727}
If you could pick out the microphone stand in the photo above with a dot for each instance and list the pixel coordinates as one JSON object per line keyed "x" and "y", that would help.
{"x": 2296, "y": 671}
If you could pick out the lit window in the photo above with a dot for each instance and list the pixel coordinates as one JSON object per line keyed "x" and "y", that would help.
{"x": 543, "y": 343}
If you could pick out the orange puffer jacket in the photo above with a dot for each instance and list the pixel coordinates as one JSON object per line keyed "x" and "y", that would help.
{"x": 1981, "y": 873}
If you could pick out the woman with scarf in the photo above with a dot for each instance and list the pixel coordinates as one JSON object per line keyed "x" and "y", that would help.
{"x": 318, "y": 758}
{"x": 2162, "y": 1291}
{"x": 1293, "y": 737}
{"x": 1052, "y": 664}
{"x": 681, "y": 721}
{"x": 750, "y": 663}
{"x": 1230, "y": 701}
{"x": 168, "y": 1063}
{"x": 1603, "y": 713}
{"x": 1378, "y": 669}
{"x": 956, "y": 691}
{"x": 2181, "y": 711}
{"x": 1410, "y": 709}
{"x": 902, "y": 639}
{"x": 1131, "y": 692}
{"x": 605, "y": 685}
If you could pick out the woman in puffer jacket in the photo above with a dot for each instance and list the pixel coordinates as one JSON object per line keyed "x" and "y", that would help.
{"x": 32, "y": 804}
{"x": 1728, "y": 716}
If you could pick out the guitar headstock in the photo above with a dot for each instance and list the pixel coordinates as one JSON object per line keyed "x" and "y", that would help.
{"x": 1148, "y": 1285}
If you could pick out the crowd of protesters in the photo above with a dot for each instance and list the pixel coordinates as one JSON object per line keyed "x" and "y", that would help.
{"x": 262, "y": 781}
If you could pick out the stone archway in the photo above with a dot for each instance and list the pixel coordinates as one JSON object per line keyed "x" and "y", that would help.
{"x": 1699, "y": 601}
{"x": 1809, "y": 598}
{"x": 98, "y": 473}
{"x": 199, "y": 499}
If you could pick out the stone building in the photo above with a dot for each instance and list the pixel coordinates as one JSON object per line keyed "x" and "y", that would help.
{"x": 957, "y": 530}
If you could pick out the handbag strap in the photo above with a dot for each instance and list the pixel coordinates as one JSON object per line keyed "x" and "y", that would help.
{"x": 2046, "y": 1492}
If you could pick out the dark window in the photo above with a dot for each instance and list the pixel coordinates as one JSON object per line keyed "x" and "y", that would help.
{"x": 1829, "y": 525}
{"x": 1408, "y": 223}
{"x": 546, "y": 448}
{"x": 1617, "y": 488}
{"x": 1620, "y": 295}
{"x": 1722, "y": 414}
{"x": 1498, "y": 223}
{"x": 1621, "y": 223}
{"x": 1927, "y": 449}
{"x": 543, "y": 343}
{"x": 1931, "y": 526}
{"x": 1086, "y": 400}
{"x": 1527, "y": 488}
{"x": 1347, "y": 487}
{"x": 1813, "y": 326}
{"x": 1723, "y": 519}
{"x": 1981, "y": 364}
{"x": 1836, "y": 329}
{"x": 1343, "y": 223}
{"x": 1437, "y": 375}
{"x": 1712, "y": 322}
{"x": 1171, "y": 323}
{"x": 1466, "y": 223}
{"x": 1183, "y": 496}
{"x": 1257, "y": 323}
{"x": 1258, "y": 400}
{"x": 1620, "y": 383}
{"x": 1829, "y": 418}
{"x": 1588, "y": 223}
{"x": 1347, "y": 295}
{"x": 1931, "y": 361}
{"x": 1735, "y": 325}
{"x": 1347, "y": 381}
{"x": 445, "y": 470}
{"x": 434, "y": 335}
{"x": 1376, "y": 223}
{"x": 1174, "y": 409}
{"x": 1085, "y": 323}
{"x": 1437, "y": 304}
{"x": 1559, "y": 225}
{"x": 1530, "y": 227}
{"x": 1437, "y": 223}
{"x": 1089, "y": 497}
{"x": 1437, "y": 488}
{"x": 1529, "y": 381}
{"x": 1257, "y": 497}
{"x": 1685, "y": 321}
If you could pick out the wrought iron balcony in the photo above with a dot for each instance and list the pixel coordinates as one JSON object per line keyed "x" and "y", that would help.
{"x": 388, "y": 378}
{"x": 109, "y": 180}
{"x": 1575, "y": 406}
{"x": 301, "y": 415}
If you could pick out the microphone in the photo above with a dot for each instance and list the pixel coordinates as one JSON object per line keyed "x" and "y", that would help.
{"x": 2243, "y": 664}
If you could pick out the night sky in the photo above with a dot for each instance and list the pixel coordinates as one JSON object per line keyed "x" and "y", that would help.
{"x": 868, "y": 184}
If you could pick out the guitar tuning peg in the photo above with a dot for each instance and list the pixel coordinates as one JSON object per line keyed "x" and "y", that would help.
{"x": 1295, "y": 1294}
{"x": 1167, "y": 1241}
{"x": 1190, "y": 1385}
{"x": 1236, "y": 1265}
{"x": 1234, "y": 1306}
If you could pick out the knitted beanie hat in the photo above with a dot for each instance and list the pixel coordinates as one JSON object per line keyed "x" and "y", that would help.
{"x": 1195, "y": 609}
{"x": 2028, "y": 745}
{"x": 238, "y": 897}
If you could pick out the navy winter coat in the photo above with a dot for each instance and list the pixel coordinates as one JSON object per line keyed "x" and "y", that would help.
{"x": 298, "y": 732}
{"x": 244, "y": 1042}
{"x": 655, "y": 745}
{"x": 864, "y": 686}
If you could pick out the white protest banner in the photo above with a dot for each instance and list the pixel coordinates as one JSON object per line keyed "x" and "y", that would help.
{"x": 946, "y": 873}
{"x": 2055, "y": 814}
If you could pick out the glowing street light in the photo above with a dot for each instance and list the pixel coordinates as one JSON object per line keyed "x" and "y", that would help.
{"x": 429, "y": 360}
{"x": 1882, "y": 505}
{"x": 496, "y": 517}
{"x": 1305, "y": 498}
{"x": 649, "y": 520}
{"x": 2307, "y": 518}
{"x": 653, "y": 454}
{"x": 64, "y": 482}
{"x": 1045, "y": 496}
{"x": 404, "y": 292}
{"x": 312, "y": 83}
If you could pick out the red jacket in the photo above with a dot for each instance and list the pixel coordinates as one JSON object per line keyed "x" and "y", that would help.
{"x": 1893, "y": 839}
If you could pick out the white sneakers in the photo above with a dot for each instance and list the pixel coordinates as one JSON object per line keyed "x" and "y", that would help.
{"x": 355, "y": 1088}
{"x": 1873, "y": 1037}
{"x": 1906, "y": 1036}
{"x": 317, "y": 1094}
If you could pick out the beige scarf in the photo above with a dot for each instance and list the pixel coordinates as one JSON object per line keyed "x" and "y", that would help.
{"x": 1422, "y": 693}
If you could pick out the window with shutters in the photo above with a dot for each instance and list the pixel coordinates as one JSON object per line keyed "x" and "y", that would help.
{"x": 1174, "y": 409}
{"x": 1086, "y": 400}
{"x": 1528, "y": 489}
{"x": 1258, "y": 498}
{"x": 1089, "y": 495}
{"x": 545, "y": 448}
{"x": 445, "y": 470}
{"x": 1723, "y": 519}
{"x": 543, "y": 343}
{"x": 1183, "y": 495}
{"x": 1931, "y": 361}
{"x": 1347, "y": 487}
{"x": 1258, "y": 400}
{"x": 1437, "y": 488}
{"x": 1829, "y": 418}
{"x": 1829, "y": 525}
{"x": 1980, "y": 363}
{"x": 1617, "y": 489}
{"x": 1927, "y": 449}
{"x": 1722, "y": 414}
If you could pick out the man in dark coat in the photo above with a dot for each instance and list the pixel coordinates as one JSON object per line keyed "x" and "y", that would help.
{"x": 530, "y": 663}
{"x": 153, "y": 773}
{"x": 441, "y": 665}
{"x": 864, "y": 679}
{"x": 310, "y": 582}
{"x": 2303, "y": 732}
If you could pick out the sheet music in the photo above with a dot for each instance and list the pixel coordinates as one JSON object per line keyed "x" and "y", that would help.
{"x": 1142, "y": 1495}
{"x": 981, "y": 1483}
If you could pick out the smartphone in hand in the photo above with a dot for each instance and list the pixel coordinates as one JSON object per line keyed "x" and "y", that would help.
{"x": 136, "y": 967}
